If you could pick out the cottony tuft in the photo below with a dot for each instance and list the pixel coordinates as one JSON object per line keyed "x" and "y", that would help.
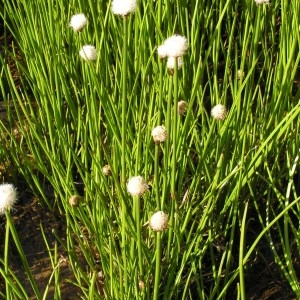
{"x": 175, "y": 45}
{"x": 159, "y": 134}
{"x": 159, "y": 221}
{"x": 8, "y": 197}
{"x": 88, "y": 52}
{"x": 261, "y": 2}
{"x": 78, "y": 22}
{"x": 181, "y": 107}
{"x": 137, "y": 186}
{"x": 123, "y": 7}
{"x": 106, "y": 170}
{"x": 162, "y": 51}
{"x": 219, "y": 112}
{"x": 171, "y": 62}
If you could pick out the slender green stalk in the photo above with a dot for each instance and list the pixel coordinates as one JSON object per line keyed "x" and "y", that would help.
{"x": 175, "y": 134}
{"x": 172, "y": 118}
{"x": 156, "y": 294}
{"x": 139, "y": 237}
{"x": 123, "y": 150}
{"x": 242, "y": 288}
{"x": 6, "y": 260}
{"x": 159, "y": 202}
{"x": 23, "y": 258}
{"x": 124, "y": 101}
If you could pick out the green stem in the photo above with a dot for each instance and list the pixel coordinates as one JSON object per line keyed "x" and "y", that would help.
{"x": 124, "y": 102}
{"x": 157, "y": 147}
{"x": 174, "y": 132}
{"x": 138, "y": 231}
{"x": 23, "y": 258}
{"x": 6, "y": 260}
{"x": 157, "y": 266}
{"x": 241, "y": 255}
{"x": 123, "y": 150}
{"x": 173, "y": 151}
{"x": 156, "y": 178}
{"x": 168, "y": 148}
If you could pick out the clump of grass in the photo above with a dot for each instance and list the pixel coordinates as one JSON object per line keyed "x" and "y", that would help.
{"x": 91, "y": 96}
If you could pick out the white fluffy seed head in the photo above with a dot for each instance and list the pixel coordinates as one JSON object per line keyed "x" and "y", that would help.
{"x": 159, "y": 221}
{"x": 8, "y": 197}
{"x": 171, "y": 62}
{"x": 219, "y": 112}
{"x": 162, "y": 51}
{"x": 78, "y": 22}
{"x": 261, "y": 2}
{"x": 88, "y": 52}
{"x": 137, "y": 186}
{"x": 181, "y": 107}
{"x": 175, "y": 45}
{"x": 159, "y": 134}
{"x": 123, "y": 7}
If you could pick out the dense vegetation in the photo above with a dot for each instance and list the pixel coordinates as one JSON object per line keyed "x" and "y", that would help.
{"x": 226, "y": 183}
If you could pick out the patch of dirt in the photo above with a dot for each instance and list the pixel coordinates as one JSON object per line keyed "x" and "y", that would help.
{"x": 263, "y": 277}
{"x": 28, "y": 216}
{"x": 266, "y": 285}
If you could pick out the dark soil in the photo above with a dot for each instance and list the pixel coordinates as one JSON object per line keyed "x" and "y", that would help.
{"x": 29, "y": 216}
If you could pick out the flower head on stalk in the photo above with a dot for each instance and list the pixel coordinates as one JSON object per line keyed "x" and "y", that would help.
{"x": 181, "y": 107}
{"x": 162, "y": 51}
{"x": 219, "y": 112}
{"x": 8, "y": 197}
{"x": 159, "y": 134}
{"x": 261, "y": 2}
{"x": 174, "y": 46}
{"x": 137, "y": 186}
{"x": 106, "y": 170}
{"x": 159, "y": 221}
{"x": 123, "y": 7}
{"x": 88, "y": 52}
{"x": 78, "y": 22}
{"x": 171, "y": 63}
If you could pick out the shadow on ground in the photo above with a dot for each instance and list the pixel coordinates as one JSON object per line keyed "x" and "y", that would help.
{"x": 29, "y": 216}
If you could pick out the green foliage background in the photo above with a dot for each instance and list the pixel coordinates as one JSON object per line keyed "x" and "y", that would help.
{"x": 224, "y": 184}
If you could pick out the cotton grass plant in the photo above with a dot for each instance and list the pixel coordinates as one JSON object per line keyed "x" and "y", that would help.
{"x": 183, "y": 229}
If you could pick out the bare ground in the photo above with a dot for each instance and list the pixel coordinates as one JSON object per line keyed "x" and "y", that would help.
{"x": 29, "y": 216}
